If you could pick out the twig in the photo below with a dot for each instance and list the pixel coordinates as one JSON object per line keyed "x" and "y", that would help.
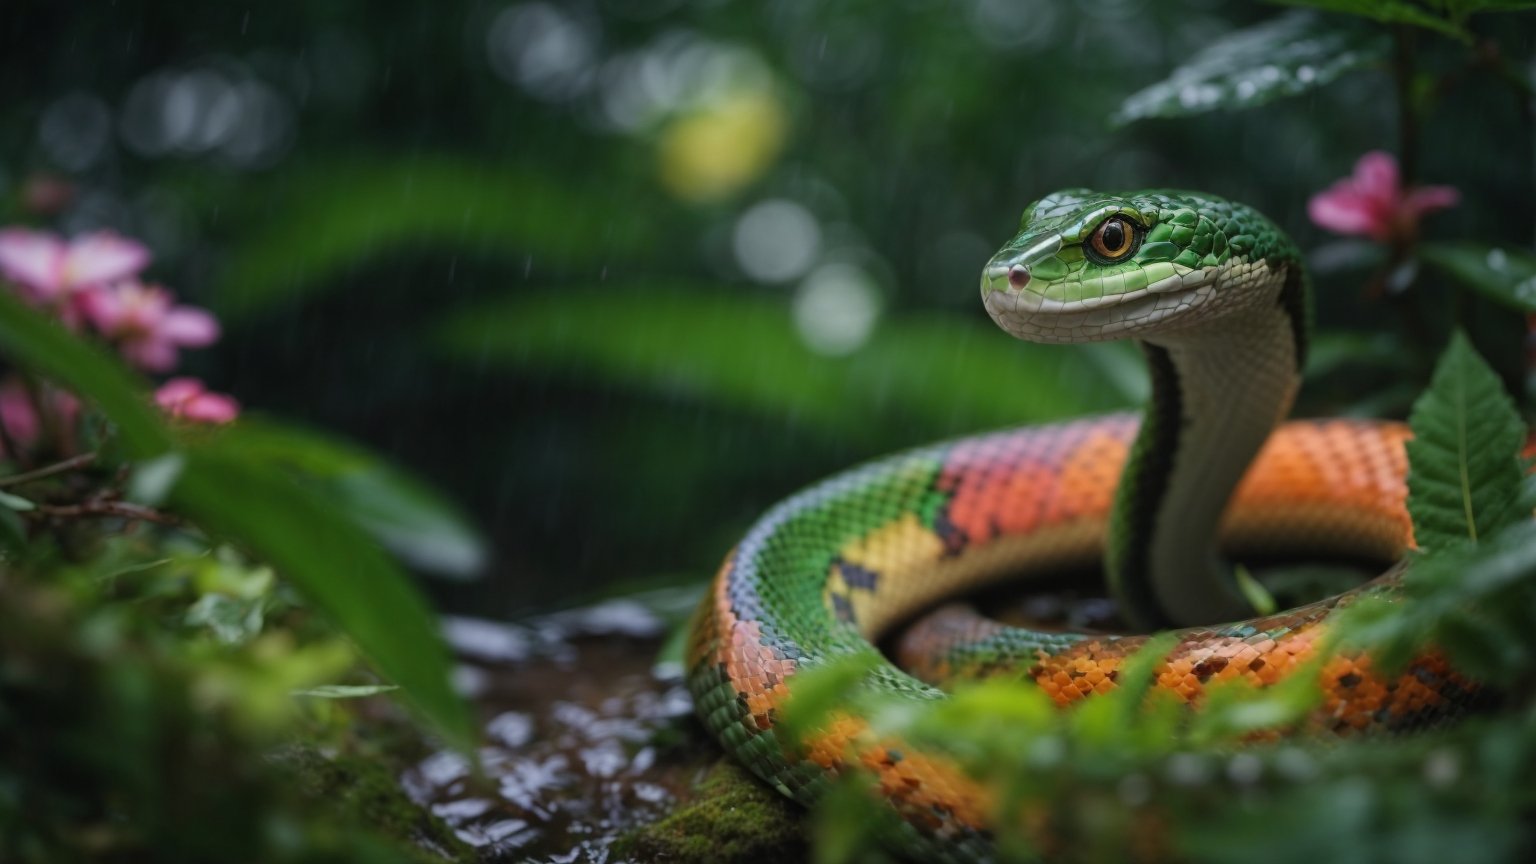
{"x": 119, "y": 509}
{"x": 69, "y": 464}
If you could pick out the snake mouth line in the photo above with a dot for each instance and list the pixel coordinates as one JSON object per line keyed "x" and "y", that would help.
{"x": 1027, "y": 314}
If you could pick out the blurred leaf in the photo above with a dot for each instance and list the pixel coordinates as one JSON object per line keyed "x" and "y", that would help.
{"x": 939, "y": 375}
{"x": 1389, "y": 12}
{"x": 1464, "y": 471}
{"x": 232, "y": 620}
{"x": 37, "y": 342}
{"x": 1442, "y": 589}
{"x": 815, "y": 694}
{"x": 1284, "y": 56}
{"x": 15, "y": 502}
{"x": 345, "y": 691}
{"x": 340, "y": 570}
{"x": 408, "y": 517}
{"x": 1506, "y": 276}
{"x": 152, "y": 479}
{"x": 337, "y": 216}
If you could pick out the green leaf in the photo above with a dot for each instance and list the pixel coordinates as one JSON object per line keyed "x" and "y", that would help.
{"x": 37, "y": 342}
{"x": 1464, "y": 469}
{"x": 15, "y": 502}
{"x": 232, "y": 620}
{"x": 414, "y": 522}
{"x": 335, "y": 217}
{"x": 931, "y": 375}
{"x": 337, "y": 568}
{"x": 345, "y": 691}
{"x": 1284, "y": 56}
{"x": 1505, "y": 275}
{"x": 1389, "y": 12}
{"x": 1453, "y": 600}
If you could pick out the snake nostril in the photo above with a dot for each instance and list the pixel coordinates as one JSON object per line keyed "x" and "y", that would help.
{"x": 1018, "y": 276}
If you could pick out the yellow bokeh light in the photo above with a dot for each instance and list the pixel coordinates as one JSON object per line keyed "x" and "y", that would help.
{"x": 708, "y": 155}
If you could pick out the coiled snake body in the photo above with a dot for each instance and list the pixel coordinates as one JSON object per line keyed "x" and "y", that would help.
{"x": 1217, "y": 297}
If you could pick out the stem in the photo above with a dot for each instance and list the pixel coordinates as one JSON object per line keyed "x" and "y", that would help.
{"x": 120, "y": 509}
{"x": 1407, "y": 123}
{"x": 69, "y": 464}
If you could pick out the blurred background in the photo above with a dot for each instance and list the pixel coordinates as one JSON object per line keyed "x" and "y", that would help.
{"x": 617, "y": 274}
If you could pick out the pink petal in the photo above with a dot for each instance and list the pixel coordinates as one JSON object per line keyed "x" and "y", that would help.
{"x": 33, "y": 258}
{"x": 189, "y": 326}
{"x": 18, "y": 413}
{"x": 102, "y": 257}
{"x": 1423, "y": 199}
{"x": 1343, "y": 210}
{"x": 211, "y": 408}
{"x": 1376, "y": 176}
{"x": 178, "y": 390}
{"x": 150, "y": 353}
{"x": 102, "y": 306}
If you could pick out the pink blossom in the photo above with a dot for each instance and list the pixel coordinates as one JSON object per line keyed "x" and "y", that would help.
{"x": 19, "y": 413}
{"x": 50, "y": 269}
{"x": 189, "y": 399}
{"x": 1373, "y": 201}
{"x": 147, "y": 328}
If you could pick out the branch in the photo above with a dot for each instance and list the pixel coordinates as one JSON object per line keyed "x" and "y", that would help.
{"x": 117, "y": 509}
{"x": 69, "y": 464}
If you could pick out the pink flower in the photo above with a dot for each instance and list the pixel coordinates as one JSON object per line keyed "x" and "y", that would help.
{"x": 50, "y": 269}
{"x": 147, "y": 328}
{"x": 19, "y": 413}
{"x": 1374, "y": 203}
{"x": 188, "y": 399}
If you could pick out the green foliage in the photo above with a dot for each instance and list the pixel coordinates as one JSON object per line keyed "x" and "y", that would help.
{"x": 338, "y": 216}
{"x": 333, "y": 563}
{"x": 1392, "y": 12}
{"x": 1285, "y": 56}
{"x": 42, "y": 345}
{"x": 224, "y": 490}
{"x": 410, "y": 519}
{"x": 1506, "y": 276}
{"x": 939, "y": 374}
{"x": 1465, "y": 474}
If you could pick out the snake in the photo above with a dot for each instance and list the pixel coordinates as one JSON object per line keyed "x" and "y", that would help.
{"x": 1219, "y": 301}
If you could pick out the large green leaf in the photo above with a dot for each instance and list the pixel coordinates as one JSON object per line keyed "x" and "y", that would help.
{"x": 333, "y": 217}
{"x": 226, "y": 491}
{"x": 1464, "y": 470}
{"x": 332, "y": 562}
{"x": 1280, "y": 57}
{"x": 936, "y": 374}
{"x": 408, "y": 517}
{"x": 39, "y": 343}
{"x": 1503, "y": 274}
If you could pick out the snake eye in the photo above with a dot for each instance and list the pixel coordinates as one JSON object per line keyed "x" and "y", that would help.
{"x": 1115, "y": 239}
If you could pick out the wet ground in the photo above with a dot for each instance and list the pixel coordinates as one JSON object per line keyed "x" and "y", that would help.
{"x": 586, "y": 734}
{"x": 589, "y": 731}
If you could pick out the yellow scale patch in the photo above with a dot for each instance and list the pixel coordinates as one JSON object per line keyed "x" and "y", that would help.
{"x": 912, "y": 570}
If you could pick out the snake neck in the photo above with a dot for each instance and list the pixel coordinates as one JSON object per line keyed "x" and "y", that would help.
{"x": 1217, "y": 392}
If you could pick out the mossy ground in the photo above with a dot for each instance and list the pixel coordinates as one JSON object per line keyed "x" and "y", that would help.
{"x": 734, "y": 820}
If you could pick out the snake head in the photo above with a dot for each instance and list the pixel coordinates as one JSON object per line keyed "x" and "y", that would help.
{"x": 1089, "y": 266}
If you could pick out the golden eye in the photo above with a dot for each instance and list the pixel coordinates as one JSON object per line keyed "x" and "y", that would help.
{"x": 1114, "y": 240}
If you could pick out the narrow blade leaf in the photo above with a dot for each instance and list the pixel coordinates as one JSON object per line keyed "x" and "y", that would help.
{"x": 336, "y": 567}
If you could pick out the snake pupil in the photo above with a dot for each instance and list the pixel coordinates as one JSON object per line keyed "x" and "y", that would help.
{"x": 1114, "y": 240}
{"x": 1114, "y": 236}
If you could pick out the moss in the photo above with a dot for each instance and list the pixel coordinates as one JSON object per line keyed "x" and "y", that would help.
{"x": 734, "y": 820}
{"x": 368, "y": 794}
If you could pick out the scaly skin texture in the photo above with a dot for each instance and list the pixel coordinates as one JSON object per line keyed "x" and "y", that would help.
{"x": 829, "y": 570}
